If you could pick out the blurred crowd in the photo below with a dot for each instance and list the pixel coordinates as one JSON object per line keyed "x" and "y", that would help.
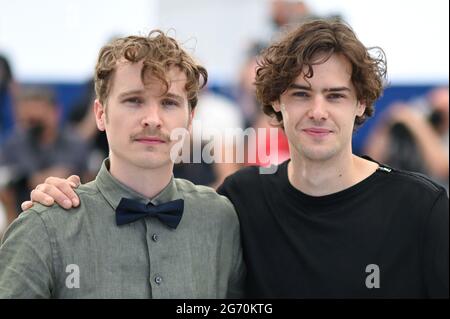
{"x": 411, "y": 135}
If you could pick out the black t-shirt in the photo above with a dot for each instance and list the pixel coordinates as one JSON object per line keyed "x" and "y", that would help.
{"x": 386, "y": 236}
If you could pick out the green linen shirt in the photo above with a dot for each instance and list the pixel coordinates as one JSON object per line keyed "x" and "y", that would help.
{"x": 49, "y": 252}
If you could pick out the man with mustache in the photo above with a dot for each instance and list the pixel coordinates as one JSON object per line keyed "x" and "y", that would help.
{"x": 328, "y": 223}
{"x": 137, "y": 231}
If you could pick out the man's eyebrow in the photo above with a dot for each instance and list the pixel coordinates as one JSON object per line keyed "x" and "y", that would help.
{"x": 299, "y": 87}
{"x": 337, "y": 89}
{"x": 139, "y": 92}
{"x": 131, "y": 92}
{"x": 331, "y": 89}
{"x": 174, "y": 96}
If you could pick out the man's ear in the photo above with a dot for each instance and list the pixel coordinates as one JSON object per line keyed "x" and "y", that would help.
{"x": 360, "y": 108}
{"x": 276, "y": 106}
{"x": 100, "y": 115}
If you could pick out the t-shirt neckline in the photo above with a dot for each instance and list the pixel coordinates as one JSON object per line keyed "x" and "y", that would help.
{"x": 324, "y": 200}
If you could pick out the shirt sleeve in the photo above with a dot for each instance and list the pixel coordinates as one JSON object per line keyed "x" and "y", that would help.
{"x": 238, "y": 269}
{"x": 237, "y": 279}
{"x": 26, "y": 259}
{"x": 436, "y": 249}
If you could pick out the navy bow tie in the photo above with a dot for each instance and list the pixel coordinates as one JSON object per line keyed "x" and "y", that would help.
{"x": 169, "y": 213}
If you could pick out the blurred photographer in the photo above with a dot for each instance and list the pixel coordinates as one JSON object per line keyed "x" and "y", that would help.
{"x": 414, "y": 136}
{"x": 37, "y": 148}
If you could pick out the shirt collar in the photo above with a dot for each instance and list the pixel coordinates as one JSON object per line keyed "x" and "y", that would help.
{"x": 113, "y": 190}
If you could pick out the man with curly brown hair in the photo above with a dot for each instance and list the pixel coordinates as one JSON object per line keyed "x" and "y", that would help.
{"x": 137, "y": 231}
{"x": 328, "y": 223}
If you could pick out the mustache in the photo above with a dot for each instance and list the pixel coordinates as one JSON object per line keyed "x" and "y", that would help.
{"x": 151, "y": 132}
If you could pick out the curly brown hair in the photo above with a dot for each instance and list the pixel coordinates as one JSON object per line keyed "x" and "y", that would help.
{"x": 282, "y": 62}
{"x": 158, "y": 52}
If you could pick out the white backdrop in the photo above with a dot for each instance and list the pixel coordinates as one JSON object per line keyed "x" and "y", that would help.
{"x": 54, "y": 40}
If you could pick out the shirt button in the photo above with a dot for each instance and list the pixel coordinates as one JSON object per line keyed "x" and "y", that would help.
{"x": 155, "y": 238}
{"x": 158, "y": 280}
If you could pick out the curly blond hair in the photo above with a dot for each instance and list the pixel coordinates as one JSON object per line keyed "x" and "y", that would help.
{"x": 158, "y": 52}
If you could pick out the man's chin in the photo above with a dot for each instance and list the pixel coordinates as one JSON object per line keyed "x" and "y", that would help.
{"x": 318, "y": 153}
{"x": 153, "y": 162}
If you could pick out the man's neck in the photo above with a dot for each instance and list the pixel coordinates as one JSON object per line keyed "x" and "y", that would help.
{"x": 320, "y": 178}
{"x": 147, "y": 182}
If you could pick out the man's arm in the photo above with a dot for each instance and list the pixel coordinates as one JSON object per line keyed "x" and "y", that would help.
{"x": 436, "y": 249}
{"x": 57, "y": 190}
{"x": 26, "y": 263}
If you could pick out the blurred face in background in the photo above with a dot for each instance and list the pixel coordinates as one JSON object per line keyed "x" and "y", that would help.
{"x": 438, "y": 99}
{"x": 284, "y": 12}
{"x": 138, "y": 119}
{"x": 38, "y": 117}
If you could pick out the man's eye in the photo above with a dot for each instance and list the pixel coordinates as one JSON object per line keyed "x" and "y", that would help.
{"x": 300, "y": 94}
{"x": 169, "y": 103}
{"x": 133, "y": 100}
{"x": 335, "y": 96}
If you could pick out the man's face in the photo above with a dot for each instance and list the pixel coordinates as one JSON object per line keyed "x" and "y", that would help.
{"x": 319, "y": 116}
{"x": 32, "y": 114}
{"x": 138, "y": 120}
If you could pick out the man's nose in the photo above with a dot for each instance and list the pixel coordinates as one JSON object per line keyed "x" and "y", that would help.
{"x": 151, "y": 116}
{"x": 318, "y": 110}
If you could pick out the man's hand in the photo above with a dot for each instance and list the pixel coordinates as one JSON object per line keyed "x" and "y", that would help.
{"x": 57, "y": 190}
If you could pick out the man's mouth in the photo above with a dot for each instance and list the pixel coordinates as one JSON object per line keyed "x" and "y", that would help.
{"x": 317, "y": 132}
{"x": 150, "y": 140}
